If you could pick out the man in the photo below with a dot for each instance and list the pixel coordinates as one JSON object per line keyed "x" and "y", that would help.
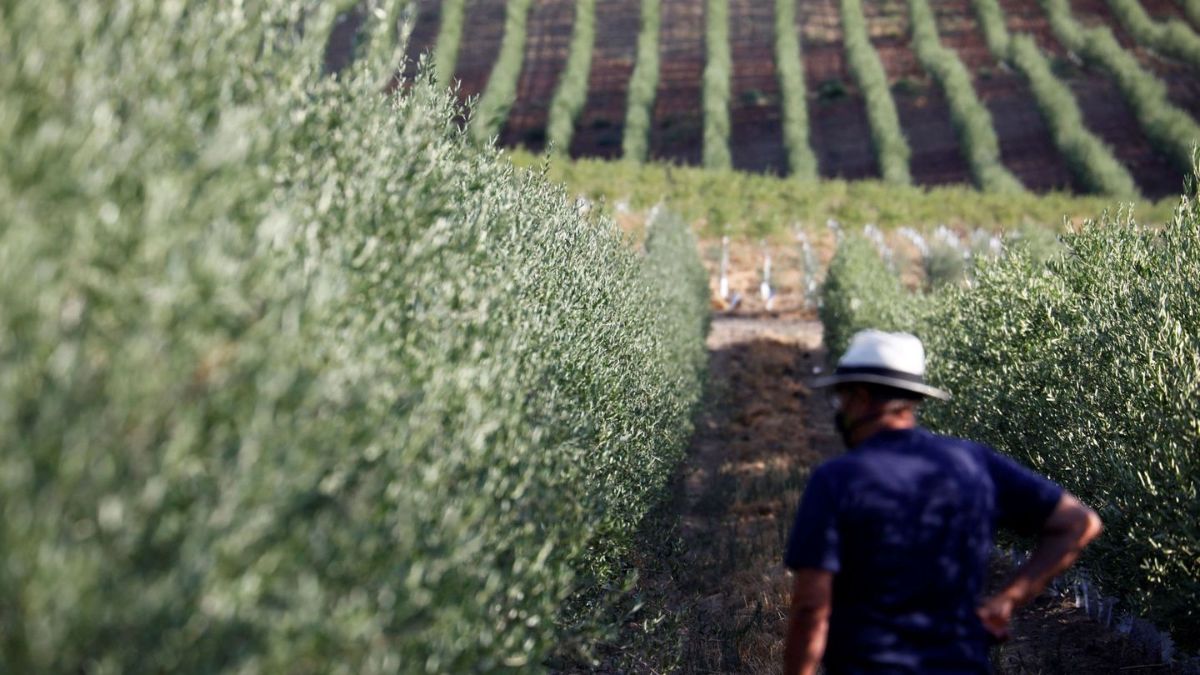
{"x": 892, "y": 539}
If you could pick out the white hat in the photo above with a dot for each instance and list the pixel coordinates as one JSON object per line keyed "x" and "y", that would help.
{"x": 891, "y": 359}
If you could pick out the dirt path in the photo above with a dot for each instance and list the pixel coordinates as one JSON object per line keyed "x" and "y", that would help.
{"x": 712, "y": 594}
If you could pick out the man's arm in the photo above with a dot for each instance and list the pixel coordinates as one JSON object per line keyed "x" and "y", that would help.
{"x": 808, "y": 623}
{"x": 1070, "y": 527}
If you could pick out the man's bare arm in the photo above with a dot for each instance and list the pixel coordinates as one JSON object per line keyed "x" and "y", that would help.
{"x": 1067, "y": 531}
{"x": 808, "y": 623}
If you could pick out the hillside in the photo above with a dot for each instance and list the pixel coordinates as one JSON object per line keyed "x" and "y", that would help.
{"x": 1047, "y": 115}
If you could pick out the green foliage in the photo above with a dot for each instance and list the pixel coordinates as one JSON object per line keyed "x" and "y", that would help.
{"x": 1192, "y": 9}
{"x": 1089, "y": 158}
{"x": 790, "y": 68}
{"x": 445, "y": 54}
{"x": 891, "y": 148}
{"x": 571, "y": 94}
{"x": 1172, "y": 37}
{"x": 1087, "y": 368}
{"x": 1170, "y": 129}
{"x": 778, "y": 204}
{"x": 501, "y": 91}
{"x": 295, "y": 379}
{"x": 971, "y": 118}
{"x": 860, "y": 292}
{"x": 992, "y": 23}
{"x": 643, "y": 84}
{"x": 718, "y": 71}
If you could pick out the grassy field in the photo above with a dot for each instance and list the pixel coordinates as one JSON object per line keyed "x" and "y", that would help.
{"x": 757, "y": 205}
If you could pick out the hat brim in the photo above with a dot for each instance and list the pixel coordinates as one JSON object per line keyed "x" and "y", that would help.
{"x": 869, "y": 378}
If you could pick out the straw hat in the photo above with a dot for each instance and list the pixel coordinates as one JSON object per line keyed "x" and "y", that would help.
{"x": 891, "y": 359}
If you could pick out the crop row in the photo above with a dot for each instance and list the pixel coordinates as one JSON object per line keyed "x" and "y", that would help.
{"x": 1171, "y": 38}
{"x": 1085, "y": 368}
{"x": 449, "y": 36}
{"x": 971, "y": 118}
{"x": 1192, "y": 9}
{"x": 891, "y": 148}
{"x": 501, "y": 91}
{"x": 802, "y": 162}
{"x": 296, "y": 378}
{"x": 643, "y": 84}
{"x": 573, "y": 84}
{"x": 1089, "y": 159}
{"x": 1170, "y": 129}
{"x": 718, "y": 72}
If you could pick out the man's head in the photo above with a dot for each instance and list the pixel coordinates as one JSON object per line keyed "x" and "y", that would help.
{"x": 861, "y": 407}
{"x": 880, "y": 380}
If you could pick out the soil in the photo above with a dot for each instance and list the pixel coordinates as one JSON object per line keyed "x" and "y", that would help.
{"x": 602, "y": 123}
{"x": 676, "y": 133}
{"x": 756, "y": 135}
{"x": 548, "y": 36}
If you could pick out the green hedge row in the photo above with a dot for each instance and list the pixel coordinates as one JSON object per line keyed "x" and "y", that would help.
{"x": 294, "y": 379}
{"x": 501, "y": 92}
{"x": 1192, "y": 9}
{"x": 1172, "y": 38}
{"x": 643, "y": 85}
{"x": 972, "y": 120}
{"x": 891, "y": 148}
{"x": 449, "y": 37}
{"x": 718, "y": 73}
{"x": 1086, "y": 368}
{"x": 802, "y": 162}
{"x": 1089, "y": 158}
{"x": 572, "y": 90}
{"x": 1170, "y": 129}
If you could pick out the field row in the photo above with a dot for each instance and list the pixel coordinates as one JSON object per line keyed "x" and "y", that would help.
{"x": 1083, "y": 95}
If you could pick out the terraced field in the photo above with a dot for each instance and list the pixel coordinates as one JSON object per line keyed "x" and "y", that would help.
{"x": 843, "y": 133}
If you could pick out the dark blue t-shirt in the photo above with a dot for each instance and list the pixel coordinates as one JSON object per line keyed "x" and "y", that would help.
{"x": 906, "y": 521}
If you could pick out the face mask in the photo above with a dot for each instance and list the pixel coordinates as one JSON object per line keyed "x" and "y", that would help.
{"x": 843, "y": 427}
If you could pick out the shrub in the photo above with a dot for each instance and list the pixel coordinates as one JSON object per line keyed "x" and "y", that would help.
{"x": 501, "y": 91}
{"x": 891, "y": 148}
{"x": 1171, "y": 38}
{"x": 449, "y": 36}
{"x": 802, "y": 163}
{"x": 571, "y": 94}
{"x": 1170, "y": 129}
{"x": 718, "y": 70}
{"x": 971, "y": 118}
{"x": 643, "y": 84}
{"x": 294, "y": 379}
{"x": 860, "y": 292}
{"x": 1087, "y": 368}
